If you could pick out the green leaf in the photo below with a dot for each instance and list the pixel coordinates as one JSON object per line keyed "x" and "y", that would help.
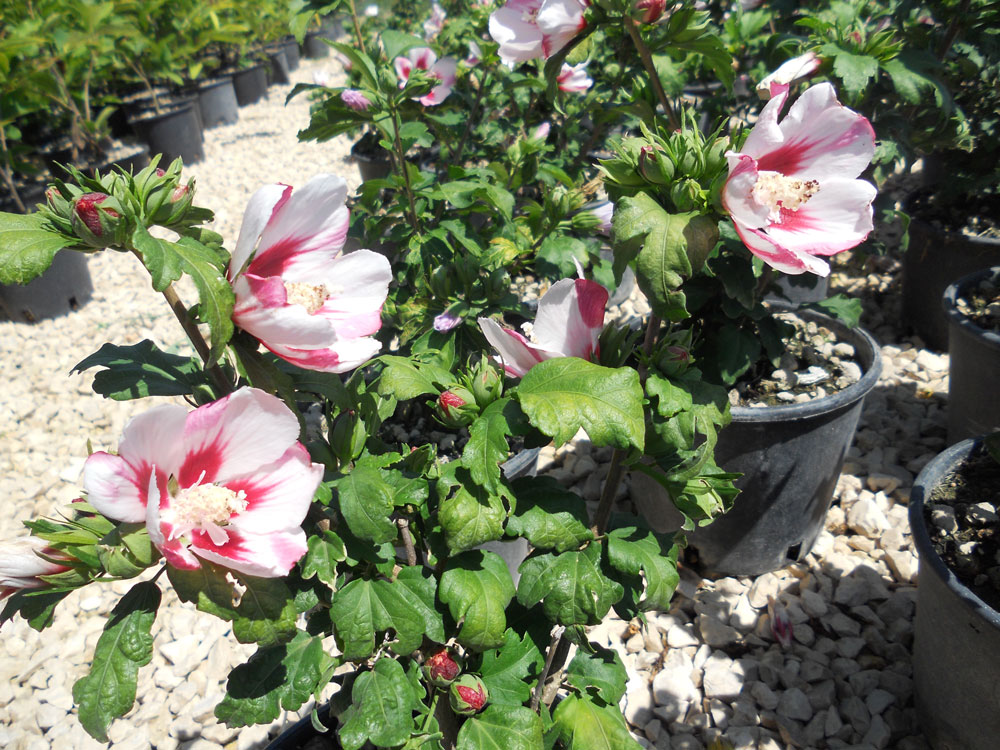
{"x": 364, "y": 607}
{"x": 487, "y": 447}
{"x": 107, "y": 692}
{"x": 649, "y": 558}
{"x": 602, "y": 670}
{"x": 846, "y": 309}
{"x": 325, "y": 551}
{"x": 419, "y": 587}
{"x": 142, "y": 370}
{"x": 27, "y": 247}
{"x": 587, "y": 724}
{"x": 510, "y": 671}
{"x": 163, "y": 264}
{"x": 548, "y": 515}
{"x": 670, "y": 248}
{"x": 360, "y": 63}
{"x": 381, "y": 710}
{"x": 571, "y": 586}
{"x": 266, "y": 611}
{"x": 275, "y": 678}
{"x": 36, "y": 606}
{"x": 477, "y": 587}
{"x": 367, "y": 502}
{"x": 564, "y": 394}
{"x": 395, "y": 43}
{"x": 406, "y": 379}
{"x": 854, "y": 70}
{"x": 502, "y": 728}
{"x": 470, "y": 517}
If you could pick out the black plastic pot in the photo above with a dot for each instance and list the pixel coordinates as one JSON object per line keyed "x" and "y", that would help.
{"x": 790, "y": 458}
{"x": 313, "y": 47}
{"x": 250, "y": 84}
{"x": 175, "y": 132}
{"x": 292, "y": 53}
{"x": 374, "y": 162}
{"x": 303, "y": 731}
{"x": 278, "y": 70}
{"x": 934, "y": 260}
{"x": 799, "y": 289}
{"x": 132, "y": 162}
{"x": 64, "y": 287}
{"x": 217, "y": 102}
{"x": 956, "y": 646}
{"x": 974, "y": 366}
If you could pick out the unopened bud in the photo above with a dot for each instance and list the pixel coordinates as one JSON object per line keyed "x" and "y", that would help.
{"x": 456, "y": 407}
{"x": 654, "y": 166}
{"x": 468, "y": 695}
{"x": 93, "y": 223}
{"x": 442, "y": 669}
{"x": 355, "y": 100}
{"x": 487, "y": 383}
{"x": 673, "y": 361}
{"x": 648, "y": 11}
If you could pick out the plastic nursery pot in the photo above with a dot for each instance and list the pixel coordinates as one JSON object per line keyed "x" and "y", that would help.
{"x": 217, "y": 102}
{"x": 956, "y": 646}
{"x": 801, "y": 289}
{"x": 174, "y": 132}
{"x": 935, "y": 259}
{"x": 278, "y": 70}
{"x": 974, "y": 365}
{"x": 313, "y": 47}
{"x": 291, "y": 48}
{"x": 64, "y": 287}
{"x": 790, "y": 457}
{"x": 250, "y": 84}
{"x": 373, "y": 161}
{"x": 302, "y": 732}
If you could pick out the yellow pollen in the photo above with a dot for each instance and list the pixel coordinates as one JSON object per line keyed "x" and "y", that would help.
{"x": 311, "y": 297}
{"x": 206, "y": 504}
{"x": 778, "y": 191}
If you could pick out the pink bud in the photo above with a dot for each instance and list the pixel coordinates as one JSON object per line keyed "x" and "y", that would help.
{"x": 649, "y": 11}
{"x": 441, "y": 669}
{"x": 468, "y": 695}
{"x": 450, "y": 400}
{"x": 86, "y": 209}
{"x": 541, "y": 132}
{"x": 781, "y": 626}
{"x": 446, "y": 321}
{"x": 179, "y": 192}
{"x": 355, "y": 100}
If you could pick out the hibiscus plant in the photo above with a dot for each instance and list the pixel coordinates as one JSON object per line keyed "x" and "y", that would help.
{"x": 343, "y": 485}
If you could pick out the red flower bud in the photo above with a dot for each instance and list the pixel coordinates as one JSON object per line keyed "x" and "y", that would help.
{"x": 450, "y": 400}
{"x": 468, "y": 695}
{"x": 86, "y": 209}
{"x": 649, "y": 11}
{"x": 442, "y": 668}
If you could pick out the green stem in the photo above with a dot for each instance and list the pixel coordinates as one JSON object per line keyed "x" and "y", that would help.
{"x": 7, "y": 172}
{"x": 615, "y": 473}
{"x": 550, "y": 655}
{"x": 647, "y": 61}
{"x": 401, "y": 161}
{"x": 357, "y": 26}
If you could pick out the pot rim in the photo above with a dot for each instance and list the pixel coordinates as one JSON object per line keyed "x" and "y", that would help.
{"x": 949, "y": 303}
{"x": 933, "y": 472}
{"x": 857, "y": 336}
{"x": 176, "y": 107}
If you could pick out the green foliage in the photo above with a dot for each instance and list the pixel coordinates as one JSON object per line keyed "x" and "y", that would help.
{"x": 586, "y": 723}
{"x": 381, "y": 711}
{"x": 27, "y": 246}
{"x": 142, "y": 370}
{"x": 503, "y": 728}
{"x": 572, "y": 587}
{"x": 476, "y": 587}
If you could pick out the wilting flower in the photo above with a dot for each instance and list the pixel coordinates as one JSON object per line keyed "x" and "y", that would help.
{"x": 355, "y": 100}
{"x": 569, "y": 322}
{"x": 295, "y": 292}
{"x": 468, "y": 695}
{"x": 442, "y": 668}
{"x": 781, "y": 626}
{"x": 446, "y": 321}
{"x": 475, "y": 54}
{"x": 792, "y": 191}
{"x": 228, "y": 483}
{"x": 602, "y": 212}
{"x": 434, "y": 24}
{"x": 574, "y": 78}
{"x": 788, "y": 71}
{"x": 22, "y": 561}
{"x": 528, "y": 29}
{"x": 424, "y": 58}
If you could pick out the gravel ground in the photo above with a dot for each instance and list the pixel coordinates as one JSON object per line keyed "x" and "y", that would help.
{"x": 709, "y": 669}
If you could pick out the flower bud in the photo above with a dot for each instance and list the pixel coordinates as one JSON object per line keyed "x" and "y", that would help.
{"x": 674, "y": 361}
{"x": 93, "y": 223}
{"x": 468, "y": 695}
{"x": 355, "y": 100}
{"x": 23, "y": 561}
{"x": 446, "y": 321}
{"x": 541, "y": 133}
{"x": 456, "y": 407}
{"x": 686, "y": 194}
{"x": 655, "y": 166}
{"x": 441, "y": 669}
{"x": 487, "y": 383}
{"x": 648, "y": 11}
{"x": 173, "y": 209}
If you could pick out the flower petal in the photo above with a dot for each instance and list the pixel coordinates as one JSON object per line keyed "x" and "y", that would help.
{"x": 258, "y": 213}
{"x": 235, "y": 435}
{"x": 263, "y": 555}
{"x": 515, "y": 354}
{"x": 257, "y": 312}
{"x": 113, "y": 488}
{"x": 174, "y": 551}
{"x": 278, "y": 495}
{"x": 519, "y": 39}
{"x": 559, "y": 21}
{"x": 570, "y": 317}
{"x": 341, "y": 356}
{"x": 737, "y": 193}
{"x": 780, "y": 258}
{"x": 835, "y": 219}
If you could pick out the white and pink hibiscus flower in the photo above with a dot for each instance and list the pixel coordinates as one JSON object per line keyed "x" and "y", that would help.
{"x": 227, "y": 482}
{"x": 574, "y": 78}
{"x": 23, "y": 561}
{"x": 435, "y": 22}
{"x": 295, "y": 291}
{"x": 568, "y": 323}
{"x": 792, "y": 191}
{"x": 529, "y": 29}
{"x": 423, "y": 58}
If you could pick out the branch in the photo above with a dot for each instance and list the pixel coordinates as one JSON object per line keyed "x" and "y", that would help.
{"x": 550, "y": 655}
{"x": 647, "y": 61}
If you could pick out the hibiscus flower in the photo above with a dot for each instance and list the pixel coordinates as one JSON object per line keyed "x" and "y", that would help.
{"x": 424, "y": 58}
{"x": 529, "y": 29}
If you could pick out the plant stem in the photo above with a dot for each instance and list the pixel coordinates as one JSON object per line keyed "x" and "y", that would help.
{"x": 7, "y": 172}
{"x": 550, "y": 655}
{"x": 456, "y": 155}
{"x": 357, "y": 27}
{"x": 615, "y": 473}
{"x": 401, "y": 161}
{"x": 404, "y": 531}
{"x": 652, "y": 328}
{"x": 197, "y": 340}
{"x": 953, "y": 29}
{"x": 647, "y": 61}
